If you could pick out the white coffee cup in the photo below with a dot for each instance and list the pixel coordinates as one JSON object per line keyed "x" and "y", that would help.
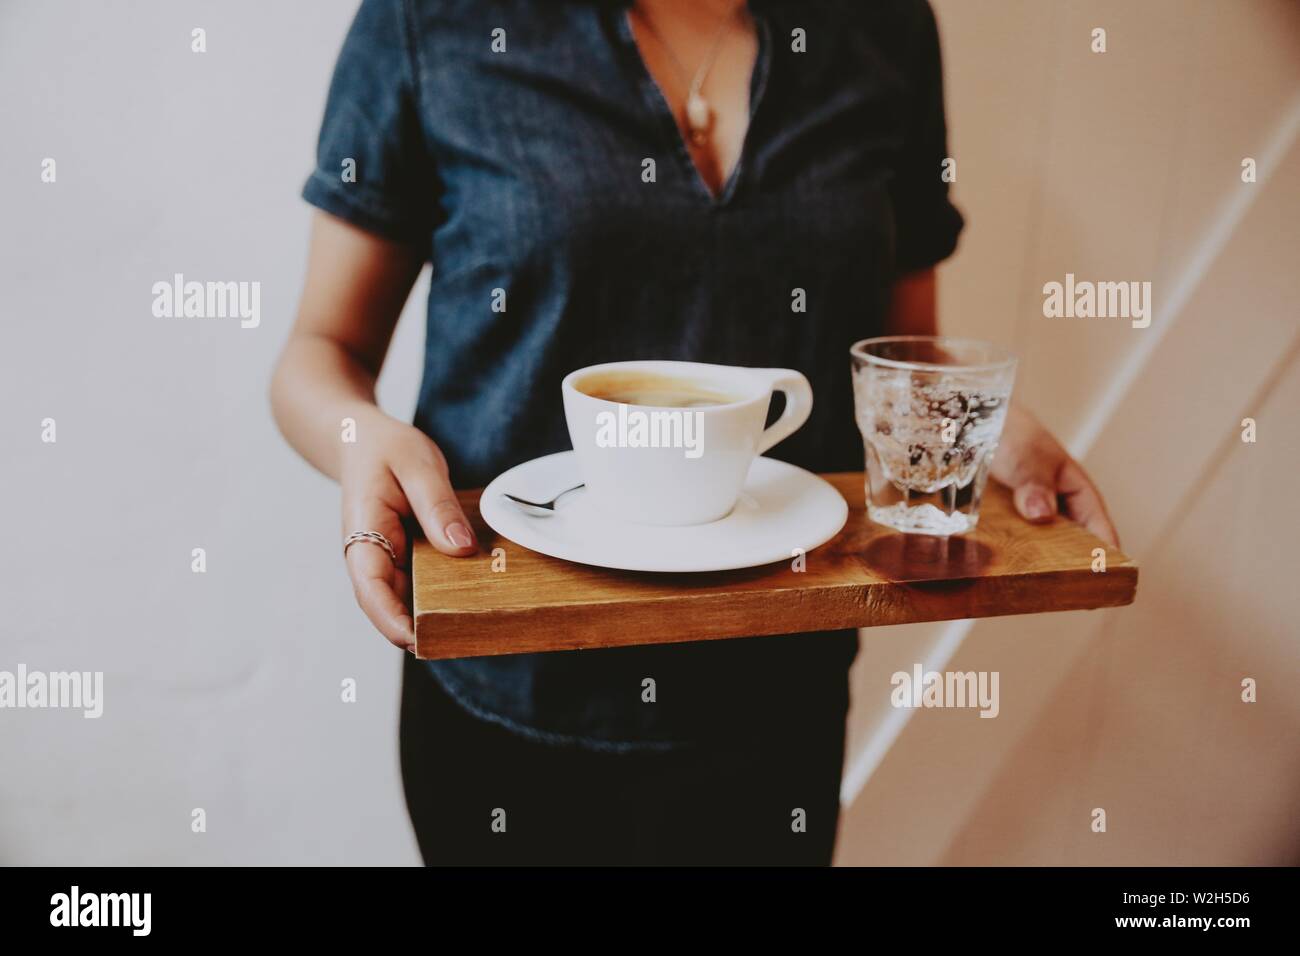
{"x": 667, "y": 464}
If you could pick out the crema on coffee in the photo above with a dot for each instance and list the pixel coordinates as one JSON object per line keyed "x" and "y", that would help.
{"x": 651, "y": 390}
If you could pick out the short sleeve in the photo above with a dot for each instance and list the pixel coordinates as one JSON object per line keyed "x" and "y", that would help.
{"x": 927, "y": 224}
{"x": 373, "y": 168}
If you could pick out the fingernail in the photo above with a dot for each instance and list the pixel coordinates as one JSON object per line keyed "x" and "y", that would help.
{"x": 1037, "y": 506}
{"x": 459, "y": 535}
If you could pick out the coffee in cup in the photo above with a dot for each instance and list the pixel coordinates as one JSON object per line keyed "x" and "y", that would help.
{"x": 670, "y": 443}
{"x": 631, "y": 387}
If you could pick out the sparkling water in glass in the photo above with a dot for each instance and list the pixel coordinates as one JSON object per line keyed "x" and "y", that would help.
{"x": 930, "y": 410}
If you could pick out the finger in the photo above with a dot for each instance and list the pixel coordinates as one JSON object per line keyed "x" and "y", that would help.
{"x": 433, "y": 502}
{"x": 376, "y": 591}
{"x": 379, "y": 506}
{"x": 1083, "y": 502}
{"x": 378, "y": 583}
{"x": 1035, "y": 501}
{"x": 1029, "y": 470}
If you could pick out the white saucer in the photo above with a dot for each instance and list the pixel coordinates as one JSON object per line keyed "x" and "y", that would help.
{"x": 780, "y": 509}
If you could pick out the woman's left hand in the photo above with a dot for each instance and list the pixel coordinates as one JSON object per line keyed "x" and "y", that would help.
{"x": 1045, "y": 480}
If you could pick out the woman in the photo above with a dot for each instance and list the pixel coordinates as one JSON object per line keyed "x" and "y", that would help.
{"x": 597, "y": 181}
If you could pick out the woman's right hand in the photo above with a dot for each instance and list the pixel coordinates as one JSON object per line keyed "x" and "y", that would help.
{"x": 352, "y": 297}
{"x": 392, "y": 474}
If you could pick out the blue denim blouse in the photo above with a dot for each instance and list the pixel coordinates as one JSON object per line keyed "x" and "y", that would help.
{"x": 523, "y": 146}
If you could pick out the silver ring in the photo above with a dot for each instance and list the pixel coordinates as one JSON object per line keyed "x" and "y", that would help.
{"x": 374, "y": 537}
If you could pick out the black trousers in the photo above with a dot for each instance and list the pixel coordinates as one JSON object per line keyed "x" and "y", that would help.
{"x": 479, "y": 794}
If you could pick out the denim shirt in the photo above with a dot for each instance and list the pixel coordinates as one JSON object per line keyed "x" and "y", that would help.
{"x": 524, "y": 147}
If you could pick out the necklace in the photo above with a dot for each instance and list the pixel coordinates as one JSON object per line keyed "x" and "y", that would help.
{"x": 699, "y": 114}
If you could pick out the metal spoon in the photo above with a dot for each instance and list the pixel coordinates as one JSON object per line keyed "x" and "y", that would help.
{"x": 545, "y": 507}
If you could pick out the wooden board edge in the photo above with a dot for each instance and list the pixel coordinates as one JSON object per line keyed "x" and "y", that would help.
{"x": 449, "y": 634}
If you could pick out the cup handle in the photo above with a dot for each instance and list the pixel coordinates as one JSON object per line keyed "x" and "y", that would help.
{"x": 798, "y": 405}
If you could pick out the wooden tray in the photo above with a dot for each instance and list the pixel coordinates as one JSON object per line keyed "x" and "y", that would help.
{"x": 865, "y": 576}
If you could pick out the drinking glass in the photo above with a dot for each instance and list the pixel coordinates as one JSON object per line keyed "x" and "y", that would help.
{"x": 930, "y": 409}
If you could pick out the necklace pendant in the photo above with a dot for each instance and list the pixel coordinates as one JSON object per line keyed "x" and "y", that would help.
{"x": 698, "y": 116}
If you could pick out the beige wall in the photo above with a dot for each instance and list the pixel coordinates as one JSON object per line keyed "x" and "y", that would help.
{"x": 1122, "y": 166}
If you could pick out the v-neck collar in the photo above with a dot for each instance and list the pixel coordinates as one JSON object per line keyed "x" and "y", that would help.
{"x": 658, "y": 102}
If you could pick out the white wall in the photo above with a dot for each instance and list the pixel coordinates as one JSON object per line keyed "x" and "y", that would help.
{"x": 222, "y": 690}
